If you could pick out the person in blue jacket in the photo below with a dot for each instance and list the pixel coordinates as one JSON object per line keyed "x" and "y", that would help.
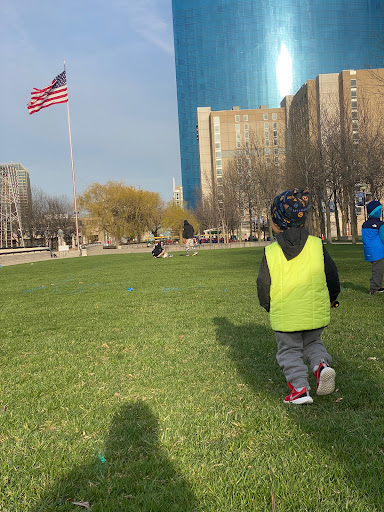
{"x": 372, "y": 232}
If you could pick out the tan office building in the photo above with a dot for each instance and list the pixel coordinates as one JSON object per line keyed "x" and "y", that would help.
{"x": 223, "y": 133}
{"x": 349, "y": 103}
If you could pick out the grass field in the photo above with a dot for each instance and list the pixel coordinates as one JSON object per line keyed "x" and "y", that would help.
{"x": 168, "y": 397}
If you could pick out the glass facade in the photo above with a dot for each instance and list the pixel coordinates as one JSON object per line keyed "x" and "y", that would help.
{"x": 249, "y": 53}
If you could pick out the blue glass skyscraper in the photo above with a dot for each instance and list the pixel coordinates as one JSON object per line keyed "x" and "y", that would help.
{"x": 249, "y": 53}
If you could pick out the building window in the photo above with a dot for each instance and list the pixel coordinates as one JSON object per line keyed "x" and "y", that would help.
{"x": 353, "y": 83}
{"x": 218, "y": 153}
{"x": 353, "y": 93}
{"x": 237, "y": 128}
{"x": 245, "y": 117}
{"x": 217, "y": 145}
{"x": 217, "y": 128}
{"x": 217, "y": 137}
{"x": 237, "y": 119}
{"x": 274, "y": 115}
{"x": 246, "y": 127}
{"x": 354, "y": 103}
{"x": 265, "y": 117}
{"x": 266, "y": 126}
{"x": 219, "y": 162}
{"x": 216, "y": 120}
{"x": 238, "y": 144}
{"x": 219, "y": 171}
{"x": 275, "y": 126}
{"x": 354, "y": 114}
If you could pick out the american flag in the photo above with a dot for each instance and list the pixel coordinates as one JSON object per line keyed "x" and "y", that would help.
{"x": 55, "y": 92}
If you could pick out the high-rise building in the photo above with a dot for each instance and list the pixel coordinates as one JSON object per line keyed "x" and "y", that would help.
{"x": 255, "y": 52}
{"x": 25, "y": 196}
{"x": 177, "y": 197}
{"x": 15, "y": 202}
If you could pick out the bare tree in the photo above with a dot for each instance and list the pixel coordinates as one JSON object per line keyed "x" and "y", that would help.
{"x": 49, "y": 214}
{"x": 219, "y": 204}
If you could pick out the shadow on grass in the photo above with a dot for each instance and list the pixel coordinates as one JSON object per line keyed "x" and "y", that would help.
{"x": 346, "y": 426}
{"x": 136, "y": 475}
{"x": 355, "y": 287}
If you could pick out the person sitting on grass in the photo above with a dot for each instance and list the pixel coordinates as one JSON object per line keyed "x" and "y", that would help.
{"x": 372, "y": 233}
{"x": 159, "y": 251}
{"x": 297, "y": 283}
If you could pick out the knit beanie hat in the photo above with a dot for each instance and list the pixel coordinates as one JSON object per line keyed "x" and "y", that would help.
{"x": 290, "y": 208}
{"x": 374, "y": 209}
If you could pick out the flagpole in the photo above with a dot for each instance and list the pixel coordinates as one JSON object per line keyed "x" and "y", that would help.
{"x": 73, "y": 175}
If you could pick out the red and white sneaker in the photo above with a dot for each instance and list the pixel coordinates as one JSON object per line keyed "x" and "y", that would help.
{"x": 298, "y": 397}
{"x": 325, "y": 379}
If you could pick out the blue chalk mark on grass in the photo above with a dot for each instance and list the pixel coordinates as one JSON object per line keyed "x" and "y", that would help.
{"x": 166, "y": 290}
{"x": 129, "y": 289}
{"x": 34, "y": 289}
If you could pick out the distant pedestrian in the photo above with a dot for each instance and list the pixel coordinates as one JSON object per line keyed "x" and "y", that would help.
{"x": 372, "y": 232}
{"x": 298, "y": 283}
{"x": 188, "y": 233}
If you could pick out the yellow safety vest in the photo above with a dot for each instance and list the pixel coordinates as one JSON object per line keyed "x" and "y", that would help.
{"x": 299, "y": 294}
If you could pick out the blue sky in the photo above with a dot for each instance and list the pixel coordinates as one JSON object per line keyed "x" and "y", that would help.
{"x": 121, "y": 85}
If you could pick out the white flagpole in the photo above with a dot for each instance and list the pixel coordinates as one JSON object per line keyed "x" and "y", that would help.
{"x": 73, "y": 175}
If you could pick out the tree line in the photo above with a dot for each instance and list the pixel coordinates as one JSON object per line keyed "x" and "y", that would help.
{"x": 123, "y": 211}
{"x": 334, "y": 156}
{"x": 119, "y": 210}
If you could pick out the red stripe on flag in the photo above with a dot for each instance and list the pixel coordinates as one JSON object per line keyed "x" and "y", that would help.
{"x": 50, "y": 95}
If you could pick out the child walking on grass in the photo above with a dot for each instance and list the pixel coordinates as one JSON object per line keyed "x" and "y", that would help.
{"x": 372, "y": 232}
{"x": 297, "y": 284}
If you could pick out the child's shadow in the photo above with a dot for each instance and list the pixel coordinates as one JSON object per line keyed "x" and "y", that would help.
{"x": 347, "y": 426}
{"x": 136, "y": 476}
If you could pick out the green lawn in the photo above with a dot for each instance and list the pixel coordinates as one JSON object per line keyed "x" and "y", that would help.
{"x": 168, "y": 398}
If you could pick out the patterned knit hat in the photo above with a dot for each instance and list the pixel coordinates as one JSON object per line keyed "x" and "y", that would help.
{"x": 290, "y": 208}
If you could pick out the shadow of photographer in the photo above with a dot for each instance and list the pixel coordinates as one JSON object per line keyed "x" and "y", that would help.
{"x": 345, "y": 426}
{"x": 134, "y": 473}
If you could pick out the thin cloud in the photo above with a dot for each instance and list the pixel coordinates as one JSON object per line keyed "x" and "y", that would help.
{"x": 13, "y": 32}
{"x": 145, "y": 19}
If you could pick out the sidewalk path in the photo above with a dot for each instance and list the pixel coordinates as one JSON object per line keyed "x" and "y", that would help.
{"x": 93, "y": 250}
{"x": 96, "y": 250}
